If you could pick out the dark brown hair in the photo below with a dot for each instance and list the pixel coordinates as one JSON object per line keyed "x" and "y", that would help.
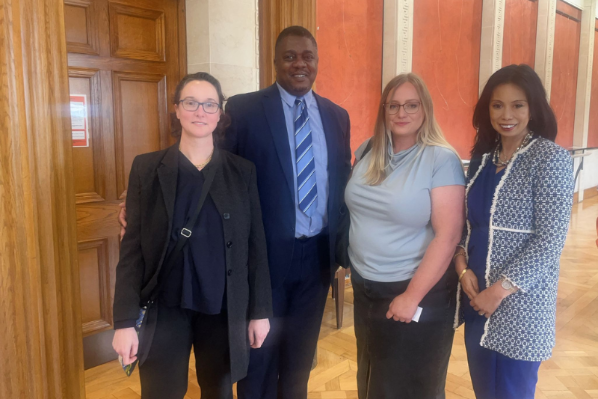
{"x": 542, "y": 120}
{"x": 223, "y": 123}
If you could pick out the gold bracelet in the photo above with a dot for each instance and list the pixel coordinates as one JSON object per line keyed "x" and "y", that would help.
{"x": 459, "y": 253}
{"x": 462, "y": 274}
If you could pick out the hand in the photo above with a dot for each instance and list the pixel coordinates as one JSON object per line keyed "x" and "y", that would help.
{"x": 469, "y": 284}
{"x": 402, "y": 308}
{"x": 258, "y": 330}
{"x": 487, "y": 301}
{"x": 126, "y": 343}
{"x": 122, "y": 218}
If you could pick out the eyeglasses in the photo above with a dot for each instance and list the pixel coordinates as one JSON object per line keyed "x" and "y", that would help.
{"x": 192, "y": 106}
{"x": 393, "y": 108}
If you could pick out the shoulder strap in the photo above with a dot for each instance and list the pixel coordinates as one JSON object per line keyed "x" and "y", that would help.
{"x": 185, "y": 233}
{"x": 367, "y": 149}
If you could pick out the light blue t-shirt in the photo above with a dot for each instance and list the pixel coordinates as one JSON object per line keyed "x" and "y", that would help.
{"x": 391, "y": 224}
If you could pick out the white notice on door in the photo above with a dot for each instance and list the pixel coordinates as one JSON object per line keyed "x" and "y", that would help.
{"x": 79, "y": 121}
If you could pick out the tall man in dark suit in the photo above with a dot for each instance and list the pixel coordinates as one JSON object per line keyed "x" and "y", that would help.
{"x": 299, "y": 142}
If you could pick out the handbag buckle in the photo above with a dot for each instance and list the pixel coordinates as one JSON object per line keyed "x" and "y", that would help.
{"x": 186, "y": 232}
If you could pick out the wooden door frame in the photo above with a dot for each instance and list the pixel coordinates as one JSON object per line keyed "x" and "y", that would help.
{"x": 41, "y": 335}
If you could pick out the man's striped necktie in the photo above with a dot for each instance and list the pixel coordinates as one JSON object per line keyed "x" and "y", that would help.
{"x": 304, "y": 156}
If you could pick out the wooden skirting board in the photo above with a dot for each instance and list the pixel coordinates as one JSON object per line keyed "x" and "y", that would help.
{"x": 587, "y": 194}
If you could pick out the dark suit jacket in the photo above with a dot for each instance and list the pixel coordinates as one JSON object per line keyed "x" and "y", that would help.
{"x": 258, "y": 132}
{"x": 150, "y": 207}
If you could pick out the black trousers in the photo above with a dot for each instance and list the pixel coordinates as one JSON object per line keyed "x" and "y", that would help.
{"x": 164, "y": 374}
{"x": 398, "y": 360}
{"x": 280, "y": 369}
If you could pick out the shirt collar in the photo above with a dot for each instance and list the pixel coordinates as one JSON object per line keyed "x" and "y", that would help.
{"x": 289, "y": 99}
{"x": 398, "y": 159}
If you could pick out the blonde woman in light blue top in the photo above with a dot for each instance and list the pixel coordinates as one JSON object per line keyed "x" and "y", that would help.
{"x": 405, "y": 199}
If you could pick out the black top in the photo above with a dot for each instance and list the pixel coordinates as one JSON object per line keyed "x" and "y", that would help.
{"x": 198, "y": 281}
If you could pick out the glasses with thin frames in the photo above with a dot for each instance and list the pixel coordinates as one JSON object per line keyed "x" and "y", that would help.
{"x": 393, "y": 108}
{"x": 192, "y": 106}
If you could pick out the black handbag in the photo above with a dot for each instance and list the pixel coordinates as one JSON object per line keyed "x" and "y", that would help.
{"x": 341, "y": 249}
{"x": 148, "y": 313}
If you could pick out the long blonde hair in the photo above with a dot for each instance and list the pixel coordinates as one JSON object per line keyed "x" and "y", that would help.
{"x": 428, "y": 134}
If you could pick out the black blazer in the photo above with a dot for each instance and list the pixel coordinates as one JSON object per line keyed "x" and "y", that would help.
{"x": 150, "y": 207}
{"x": 258, "y": 132}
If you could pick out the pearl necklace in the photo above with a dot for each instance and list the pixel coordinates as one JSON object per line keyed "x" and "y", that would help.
{"x": 496, "y": 156}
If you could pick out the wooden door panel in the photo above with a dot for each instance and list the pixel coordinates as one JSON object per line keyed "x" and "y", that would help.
{"x": 89, "y": 171}
{"x": 134, "y": 95}
{"x": 94, "y": 270}
{"x": 124, "y": 56}
{"x": 82, "y": 34}
{"x": 97, "y": 220}
{"x": 137, "y": 33}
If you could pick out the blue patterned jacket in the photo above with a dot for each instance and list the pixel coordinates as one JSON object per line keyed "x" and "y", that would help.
{"x": 529, "y": 219}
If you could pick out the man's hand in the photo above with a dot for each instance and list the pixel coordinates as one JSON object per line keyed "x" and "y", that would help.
{"x": 258, "y": 330}
{"x": 126, "y": 343}
{"x": 402, "y": 308}
{"x": 122, "y": 218}
{"x": 487, "y": 301}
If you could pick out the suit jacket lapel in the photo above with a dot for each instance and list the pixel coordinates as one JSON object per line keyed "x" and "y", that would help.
{"x": 219, "y": 192}
{"x": 331, "y": 131}
{"x": 278, "y": 128}
{"x": 167, "y": 174}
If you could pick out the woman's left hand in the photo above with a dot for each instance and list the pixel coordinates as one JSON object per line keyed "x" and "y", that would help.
{"x": 402, "y": 308}
{"x": 258, "y": 331}
{"x": 487, "y": 301}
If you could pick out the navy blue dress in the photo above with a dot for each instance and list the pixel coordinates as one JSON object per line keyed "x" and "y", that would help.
{"x": 494, "y": 376}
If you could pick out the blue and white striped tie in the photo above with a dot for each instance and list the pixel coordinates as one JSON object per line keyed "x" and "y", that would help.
{"x": 304, "y": 156}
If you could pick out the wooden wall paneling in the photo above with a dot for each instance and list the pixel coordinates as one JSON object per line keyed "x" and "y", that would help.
{"x": 565, "y": 69}
{"x": 89, "y": 162}
{"x": 40, "y": 331}
{"x": 138, "y": 66}
{"x": 519, "y": 40}
{"x": 118, "y": 64}
{"x": 593, "y": 124}
{"x": 274, "y": 16}
{"x": 81, "y": 25}
{"x": 182, "y": 36}
{"x": 138, "y": 94}
{"x": 136, "y": 33}
{"x": 94, "y": 270}
{"x": 446, "y": 54}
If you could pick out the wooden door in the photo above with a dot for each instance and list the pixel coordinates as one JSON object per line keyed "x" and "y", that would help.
{"x": 125, "y": 58}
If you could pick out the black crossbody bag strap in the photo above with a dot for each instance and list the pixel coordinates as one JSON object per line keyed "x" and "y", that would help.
{"x": 185, "y": 233}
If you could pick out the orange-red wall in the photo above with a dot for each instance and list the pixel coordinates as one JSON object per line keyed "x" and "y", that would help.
{"x": 564, "y": 71}
{"x": 446, "y": 54}
{"x": 593, "y": 128}
{"x": 350, "y": 70}
{"x": 519, "y": 40}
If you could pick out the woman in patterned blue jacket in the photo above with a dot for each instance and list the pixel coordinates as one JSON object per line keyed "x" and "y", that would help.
{"x": 518, "y": 203}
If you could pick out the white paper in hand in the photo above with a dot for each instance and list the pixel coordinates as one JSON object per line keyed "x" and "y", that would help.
{"x": 418, "y": 313}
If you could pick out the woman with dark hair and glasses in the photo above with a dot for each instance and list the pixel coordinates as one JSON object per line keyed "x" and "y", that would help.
{"x": 215, "y": 296}
{"x": 518, "y": 202}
